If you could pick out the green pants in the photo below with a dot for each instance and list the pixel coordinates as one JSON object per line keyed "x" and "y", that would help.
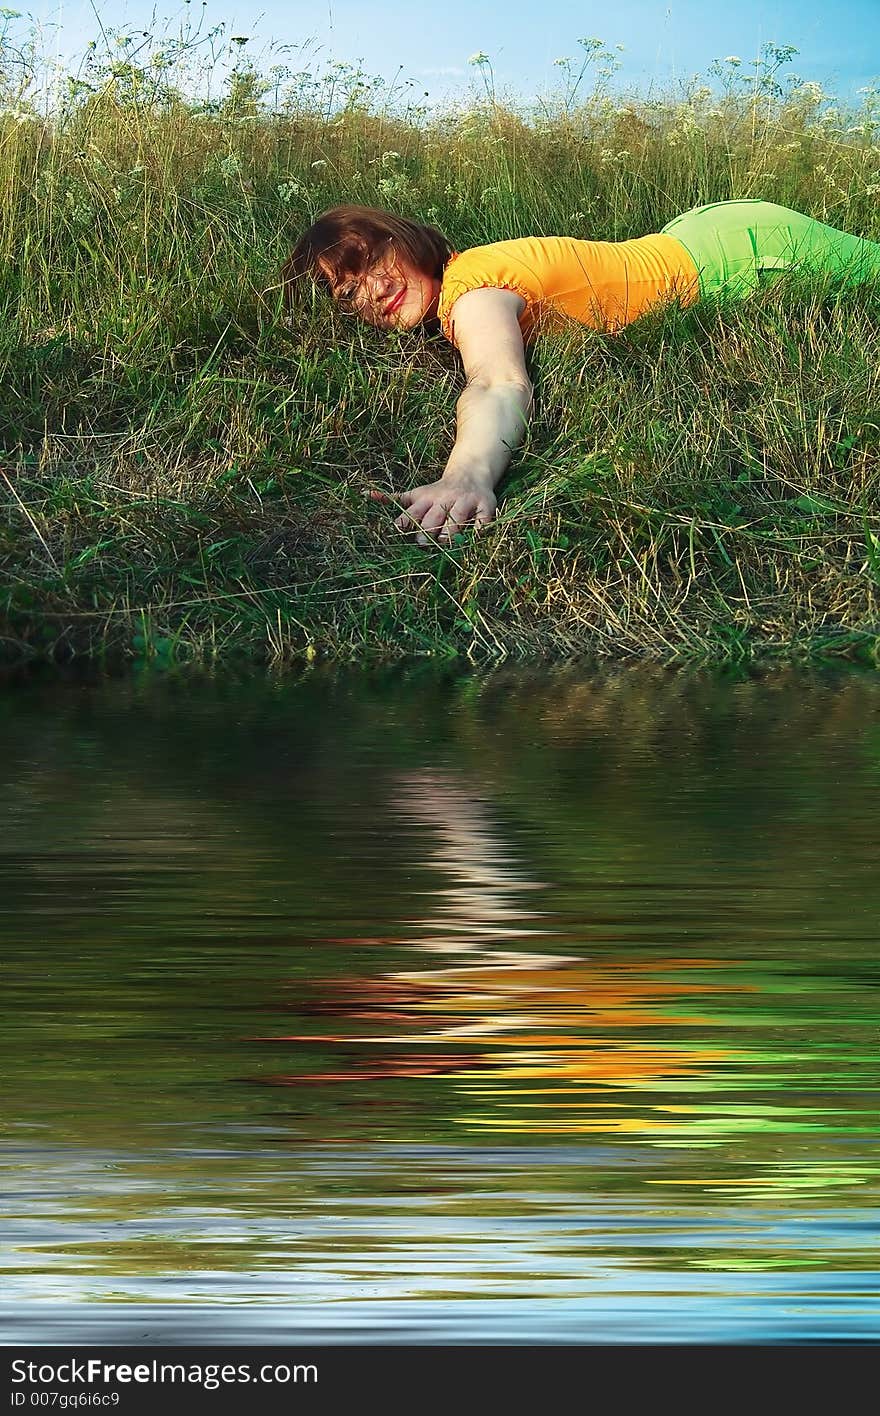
{"x": 734, "y": 246}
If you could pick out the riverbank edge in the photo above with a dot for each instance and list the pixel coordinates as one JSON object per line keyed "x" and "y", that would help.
{"x": 278, "y": 576}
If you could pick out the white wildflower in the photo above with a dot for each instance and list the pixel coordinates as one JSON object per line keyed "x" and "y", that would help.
{"x": 289, "y": 191}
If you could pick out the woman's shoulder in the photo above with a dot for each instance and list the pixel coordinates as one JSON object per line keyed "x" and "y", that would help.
{"x": 525, "y": 260}
{"x": 524, "y": 264}
{"x": 518, "y": 263}
{"x": 476, "y": 268}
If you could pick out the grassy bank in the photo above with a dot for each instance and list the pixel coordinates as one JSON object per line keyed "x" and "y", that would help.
{"x": 184, "y": 468}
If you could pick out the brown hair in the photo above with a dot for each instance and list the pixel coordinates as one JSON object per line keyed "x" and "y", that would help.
{"x": 350, "y": 238}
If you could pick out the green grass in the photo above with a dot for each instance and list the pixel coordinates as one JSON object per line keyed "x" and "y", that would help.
{"x": 184, "y": 468}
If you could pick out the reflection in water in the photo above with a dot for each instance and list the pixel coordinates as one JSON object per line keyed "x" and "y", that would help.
{"x": 480, "y": 903}
{"x": 569, "y": 1034}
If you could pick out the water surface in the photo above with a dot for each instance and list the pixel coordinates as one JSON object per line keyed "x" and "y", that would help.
{"x": 416, "y": 1005}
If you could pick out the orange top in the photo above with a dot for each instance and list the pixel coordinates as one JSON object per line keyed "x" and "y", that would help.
{"x": 604, "y": 284}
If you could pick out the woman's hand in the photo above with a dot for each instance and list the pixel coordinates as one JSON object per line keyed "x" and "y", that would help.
{"x": 437, "y": 510}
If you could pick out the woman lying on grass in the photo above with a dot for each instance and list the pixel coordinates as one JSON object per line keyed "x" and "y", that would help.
{"x": 489, "y": 300}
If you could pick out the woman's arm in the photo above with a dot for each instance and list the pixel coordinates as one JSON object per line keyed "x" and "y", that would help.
{"x": 491, "y": 418}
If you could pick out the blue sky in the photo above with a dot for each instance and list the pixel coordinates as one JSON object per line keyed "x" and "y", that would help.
{"x": 663, "y": 40}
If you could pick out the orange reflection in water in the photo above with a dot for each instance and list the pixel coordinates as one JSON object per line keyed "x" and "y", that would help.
{"x": 563, "y": 1023}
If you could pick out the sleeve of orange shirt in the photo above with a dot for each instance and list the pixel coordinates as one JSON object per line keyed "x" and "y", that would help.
{"x": 496, "y": 266}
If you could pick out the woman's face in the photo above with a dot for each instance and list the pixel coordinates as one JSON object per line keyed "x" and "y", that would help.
{"x": 391, "y": 293}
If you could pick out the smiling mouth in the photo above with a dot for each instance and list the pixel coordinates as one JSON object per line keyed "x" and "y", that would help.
{"x": 389, "y": 309}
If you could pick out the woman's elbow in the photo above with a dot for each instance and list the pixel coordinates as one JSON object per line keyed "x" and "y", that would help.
{"x": 517, "y": 385}
{"x": 525, "y": 394}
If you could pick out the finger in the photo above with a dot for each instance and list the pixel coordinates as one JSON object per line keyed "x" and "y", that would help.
{"x": 433, "y": 524}
{"x": 396, "y": 498}
{"x": 458, "y": 517}
{"x": 435, "y": 517}
{"x": 484, "y": 517}
{"x": 412, "y": 518}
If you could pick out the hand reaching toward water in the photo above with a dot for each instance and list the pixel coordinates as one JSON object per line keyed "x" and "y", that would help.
{"x": 437, "y": 510}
